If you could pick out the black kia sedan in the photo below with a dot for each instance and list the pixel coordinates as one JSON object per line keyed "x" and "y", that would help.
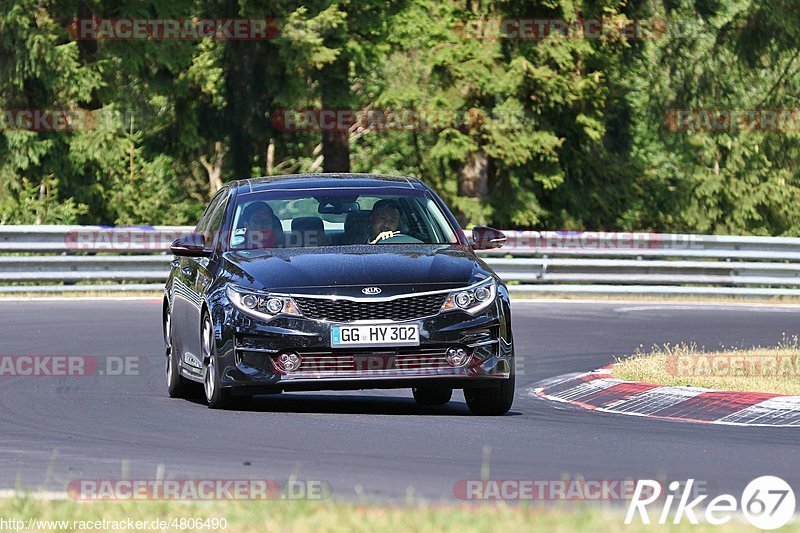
{"x": 336, "y": 282}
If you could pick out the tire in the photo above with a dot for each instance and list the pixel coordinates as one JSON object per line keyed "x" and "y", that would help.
{"x": 493, "y": 401}
{"x": 432, "y": 395}
{"x": 216, "y": 396}
{"x": 177, "y": 385}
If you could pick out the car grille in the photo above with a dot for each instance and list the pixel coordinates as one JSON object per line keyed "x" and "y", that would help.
{"x": 350, "y": 310}
{"x": 419, "y": 359}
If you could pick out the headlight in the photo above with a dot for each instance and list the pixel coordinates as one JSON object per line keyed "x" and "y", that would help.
{"x": 472, "y": 299}
{"x": 262, "y": 305}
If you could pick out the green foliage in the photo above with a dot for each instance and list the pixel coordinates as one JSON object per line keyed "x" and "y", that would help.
{"x": 38, "y": 204}
{"x": 725, "y": 180}
{"x": 573, "y": 131}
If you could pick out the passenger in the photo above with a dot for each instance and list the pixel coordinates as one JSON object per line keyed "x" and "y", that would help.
{"x": 259, "y": 222}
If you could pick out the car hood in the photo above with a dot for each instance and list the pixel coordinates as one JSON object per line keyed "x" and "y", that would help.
{"x": 346, "y": 270}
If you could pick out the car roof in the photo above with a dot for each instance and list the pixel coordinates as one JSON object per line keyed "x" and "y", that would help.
{"x": 326, "y": 181}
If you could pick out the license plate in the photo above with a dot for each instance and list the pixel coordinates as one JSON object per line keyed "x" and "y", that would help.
{"x": 375, "y": 335}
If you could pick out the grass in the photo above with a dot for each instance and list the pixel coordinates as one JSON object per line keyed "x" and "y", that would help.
{"x": 771, "y": 370}
{"x": 305, "y": 516}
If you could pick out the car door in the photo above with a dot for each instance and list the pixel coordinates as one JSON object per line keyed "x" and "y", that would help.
{"x": 183, "y": 298}
{"x": 201, "y": 271}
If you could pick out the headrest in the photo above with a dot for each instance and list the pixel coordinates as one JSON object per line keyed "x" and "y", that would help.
{"x": 255, "y": 207}
{"x": 307, "y": 224}
{"x": 356, "y": 220}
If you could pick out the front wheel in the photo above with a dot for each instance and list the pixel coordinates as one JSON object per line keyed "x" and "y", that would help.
{"x": 216, "y": 396}
{"x": 432, "y": 395}
{"x": 493, "y": 401}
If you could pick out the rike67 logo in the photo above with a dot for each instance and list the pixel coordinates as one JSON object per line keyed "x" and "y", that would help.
{"x": 767, "y": 503}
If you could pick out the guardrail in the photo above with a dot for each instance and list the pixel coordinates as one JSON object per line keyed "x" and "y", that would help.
{"x": 92, "y": 258}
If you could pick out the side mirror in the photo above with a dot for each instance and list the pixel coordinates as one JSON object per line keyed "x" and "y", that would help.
{"x": 484, "y": 238}
{"x": 191, "y": 245}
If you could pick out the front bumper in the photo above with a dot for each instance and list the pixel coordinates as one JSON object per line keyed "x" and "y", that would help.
{"x": 246, "y": 348}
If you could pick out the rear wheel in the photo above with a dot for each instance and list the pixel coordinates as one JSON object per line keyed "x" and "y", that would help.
{"x": 216, "y": 396}
{"x": 177, "y": 385}
{"x": 493, "y": 401}
{"x": 432, "y": 395}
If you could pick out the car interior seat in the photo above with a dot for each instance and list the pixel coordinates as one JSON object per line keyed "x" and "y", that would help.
{"x": 308, "y": 231}
{"x": 356, "y": 227}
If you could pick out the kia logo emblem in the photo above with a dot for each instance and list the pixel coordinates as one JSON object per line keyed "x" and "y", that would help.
{"x": 371, "y": 290}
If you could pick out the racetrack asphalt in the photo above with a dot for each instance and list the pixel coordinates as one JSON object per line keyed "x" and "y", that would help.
{"x": 377, "y": 443}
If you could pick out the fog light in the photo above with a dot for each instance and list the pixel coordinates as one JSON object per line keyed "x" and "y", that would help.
{"x": 249, "y": 301}
{"x": 289, "y": 361}
{"x": 457, "y": 356}
{"x": 274, "y": 306}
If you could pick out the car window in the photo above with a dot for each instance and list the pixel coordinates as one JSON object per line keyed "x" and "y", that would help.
{"x": 203, "y": 224}
{"x": 340, "y": 218}
{"x": 214, "y": 230}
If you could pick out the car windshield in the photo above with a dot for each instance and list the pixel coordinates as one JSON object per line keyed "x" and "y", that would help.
{"x": 381, "y": 216}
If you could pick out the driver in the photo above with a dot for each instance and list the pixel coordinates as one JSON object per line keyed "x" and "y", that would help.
{"x": 384, "y": 221}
